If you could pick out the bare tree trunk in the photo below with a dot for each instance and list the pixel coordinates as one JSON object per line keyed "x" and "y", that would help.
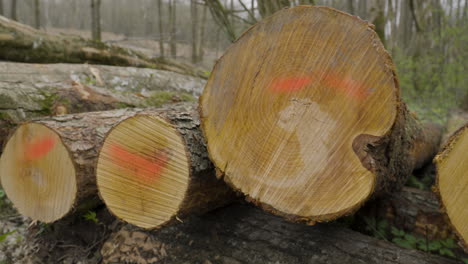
{"x": 350, "y": 6}
{"x": 362, "y": 9}
{"x": 37, "y": 14}
{"x": 202, "y": 34}
{"x": 405, "y": 24}
{"x": 1, "y": 8}
{"x": 172, "y": 25}
{"x": 268, "y": 7}
{"x": 96, "y": 20}
{"x": 161, "y": 30}
{"x": 194, "y": 16}
{"x": 13, "y": 10}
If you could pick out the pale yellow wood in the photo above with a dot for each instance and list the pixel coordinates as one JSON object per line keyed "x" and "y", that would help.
{"x": 452, "y": 171}
{"x": 146, "y": 181}
{"x": 37, "y": 173}
{"x": 284, "y": 104}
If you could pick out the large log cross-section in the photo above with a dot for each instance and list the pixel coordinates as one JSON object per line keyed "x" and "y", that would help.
{"x": 303, "y": 115}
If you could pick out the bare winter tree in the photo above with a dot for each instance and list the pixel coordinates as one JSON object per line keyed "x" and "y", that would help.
{"x": 161, "y": 29}
{"x": 14, "y": 14}
{"x": 172, "y": 27}
{"x": 194, "y": 17}
{"x": 37, "y": 14}
{"x": 96, "y": 19}
{"x": 268, "y": 7}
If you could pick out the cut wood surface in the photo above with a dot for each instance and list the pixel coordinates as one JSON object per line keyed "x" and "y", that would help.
{"x": 32, "y": 90}
{"x": 23, "y": 43}
{"x": 48, "y": 165}
{"x": 452, "y": 181}
{"x": 153, "y": 168}
{"x": 242, "y": 234}
{"x": 312, "y": 123}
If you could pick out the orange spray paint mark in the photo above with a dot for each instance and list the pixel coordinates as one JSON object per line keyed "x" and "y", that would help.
{"x": 38, "y": 148}
{"x": 290, "y": 84}
{"x": 145, "y": 169}
{"x": 345, "y": 85}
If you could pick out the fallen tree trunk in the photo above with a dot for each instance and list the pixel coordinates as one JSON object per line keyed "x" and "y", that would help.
{"x": 312, "y": 123}
{"x": 153, "y": 168}
{"x": 452, "y": 181}
{"x": 49, "y": 165}
{"x": 32, "y": 90}
{"x": 23, "y": 43}
{"x": 242, "y": 234}
{"x": 414, "y": 211}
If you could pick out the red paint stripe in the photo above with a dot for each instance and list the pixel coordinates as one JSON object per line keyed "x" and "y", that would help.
{"x": 145, "y": 169}
{"x": 330, "y": 79}
{"x": 38, "y": 148}
{"x": 290, "y": 84}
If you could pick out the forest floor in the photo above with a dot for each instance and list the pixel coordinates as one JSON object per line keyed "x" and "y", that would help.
{"x": 27, "y": 242}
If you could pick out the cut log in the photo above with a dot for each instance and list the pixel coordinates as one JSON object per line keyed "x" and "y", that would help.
{"x": 241, "y": 234}
{"x": 415, "y": 211}
{"x": 312, "y": 123}
{"x": 23, "y": 43}
{"x": 32, "y": 90}
{"x": 48, "y": 166}
{"x": 153, "y": 168}
{"x": 452, "y": 181}
{"x": 146, "y": 175}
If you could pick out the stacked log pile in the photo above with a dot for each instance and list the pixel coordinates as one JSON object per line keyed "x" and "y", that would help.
{"x": 307, "y": 124}
{"x": 33, "y": 90}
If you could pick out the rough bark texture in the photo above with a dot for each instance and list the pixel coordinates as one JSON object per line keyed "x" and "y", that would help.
{"x": 22, "y": 43}
{"x": 242, "y": 234}
{"x": 204, "y": 192}
{"x": 32, "y": 90}
{"x": 412, "y": 210}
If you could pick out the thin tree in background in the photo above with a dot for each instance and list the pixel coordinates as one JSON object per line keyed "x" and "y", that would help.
{"x": 350, "y": 6}
{"x": 268, "y": 7}
{"x": 161, "y": 30}
{"x": 172, "y": 28}
{"x": 37, "y": 14}
{"x": 1, "y": 8}
{"x": 14, "y": 14}
{"x": 201, "y": 39}
{"x": 194, "y": 17}
{"x": 96, "y": 19}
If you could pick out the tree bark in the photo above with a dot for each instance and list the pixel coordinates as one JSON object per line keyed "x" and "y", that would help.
{"x": 136, "y": 191}
{"x": 25, "y": 44}
{"x": 33, "y": 90}
{"x": 452, "y": 182}
{"x": 415, "y": 211}
{"x": 161, "y": 30}
{"x": 298, "y": 131}
{"x": 242, "y": 234}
